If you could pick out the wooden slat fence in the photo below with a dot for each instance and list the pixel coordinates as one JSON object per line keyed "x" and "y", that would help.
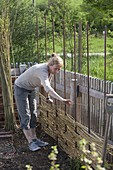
{"x": 96, "y": 99}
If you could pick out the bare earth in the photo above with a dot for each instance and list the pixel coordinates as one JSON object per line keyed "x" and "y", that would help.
{"x": 15, "y": 155}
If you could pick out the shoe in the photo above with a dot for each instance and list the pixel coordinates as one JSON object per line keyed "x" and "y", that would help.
{"x": 40, "y": 143}
{"x": 33, "y": 146}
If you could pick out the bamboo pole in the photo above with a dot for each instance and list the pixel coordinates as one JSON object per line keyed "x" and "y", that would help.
{"x": 80, "y": 48}
{"x": 88, "y": 77}
{"x": 6, "y": 81}
{"x": 105, "y": 38}
{"x": 64, "y": 55}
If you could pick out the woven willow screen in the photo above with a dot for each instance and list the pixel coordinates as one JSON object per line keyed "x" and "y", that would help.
{"x": 63, "y": 128}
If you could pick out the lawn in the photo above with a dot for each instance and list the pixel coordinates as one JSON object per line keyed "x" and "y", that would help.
{"x": 96, "y": 66}
{"x": 96, "y": 44}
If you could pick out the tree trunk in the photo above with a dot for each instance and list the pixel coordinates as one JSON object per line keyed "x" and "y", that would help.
{"x": 6, "y": 81}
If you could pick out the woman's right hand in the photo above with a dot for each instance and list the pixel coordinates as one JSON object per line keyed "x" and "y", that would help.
{"x": 68, "y": 101}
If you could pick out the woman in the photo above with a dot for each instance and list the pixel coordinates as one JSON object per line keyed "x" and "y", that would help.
{"x": 25, "y": 96}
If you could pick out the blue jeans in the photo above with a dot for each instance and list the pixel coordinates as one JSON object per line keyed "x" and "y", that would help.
{"x": 26, "y": 106}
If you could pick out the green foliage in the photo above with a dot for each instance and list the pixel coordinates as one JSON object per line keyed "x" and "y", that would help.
{"x": 23, "y": 26}
{"x": 23, "y": 35}
{"x": 53, "y": 157}
{"x": 76, "y": 4}
{"x": 89, "y": 157}
{"x": 98, "y": 13}
{"x": 59, "y": 8}
{"x": 74, "y": 164}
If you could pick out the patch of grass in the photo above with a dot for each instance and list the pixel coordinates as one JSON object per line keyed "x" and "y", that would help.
{"x": 96, "y": 66}
{"x": 74, "y": 3}
{"x": 96, "y": 44}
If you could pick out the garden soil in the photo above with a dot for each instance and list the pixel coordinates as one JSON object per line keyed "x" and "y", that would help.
{"x": 15, "y": 155}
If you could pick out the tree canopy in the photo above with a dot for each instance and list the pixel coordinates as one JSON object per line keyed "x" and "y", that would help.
{"x": 24, "y": 28}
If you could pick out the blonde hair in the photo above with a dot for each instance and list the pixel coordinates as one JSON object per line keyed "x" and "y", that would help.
{"x": 55, "y": 60}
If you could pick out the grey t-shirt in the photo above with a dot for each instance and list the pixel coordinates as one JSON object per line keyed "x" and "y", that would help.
{"x": 35, "y": 76}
